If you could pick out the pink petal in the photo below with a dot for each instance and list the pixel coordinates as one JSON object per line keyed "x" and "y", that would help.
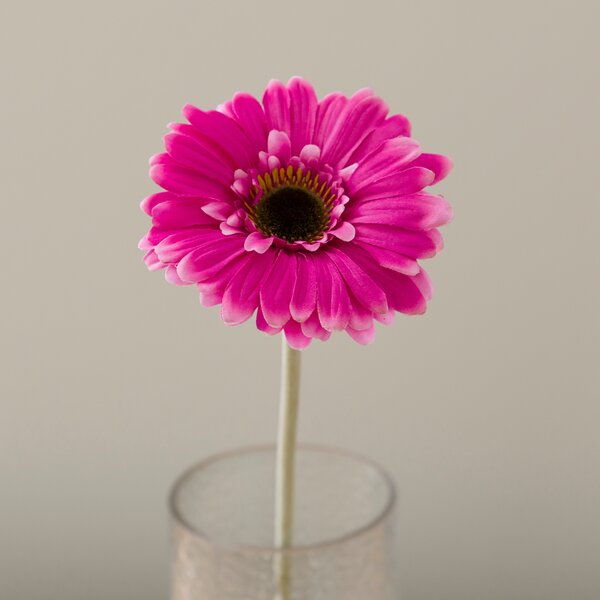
{"x": 189, "y": 152}
{"x": 173, "y": 248}
{"x": 364, "y": 337}
{"x": 223, "y": 131}
{"x": 414, "y": 211}
{"x": 304, "y": 297}
{"x": 214, "y": 287}
{"x": 333, "y": 304}
{"x": 361, "y": 318}
{"x": 294, "y": 336}
{"x": 279, "y": 145}
{"x": 277, "y": 106}
{"x": 250, "y": 115}
{"x": 208, "y": 299}
{"x": 183, "y": 212}
{"x": 312, "y": 328}
{"x": 185, "y": 182}
{"x": 391, "y": 260}
{"x": 205, "y": 262}
{"x": 262, "y": 324}
{"x": 358, "y": 282}
{"x": 257, "y": 242}
{"x": 157, "y": 234}
{"x": 226, "y": 108}
{"x": 276, "y": 293}
{"x": 440, "y": 165}
{"x": 147, "y": 204}
{"x": 414, "y": 244}
{"x": 172, "y": 277}
{"x": 394, "y": 126}
{"x": 152, "y": 262}
{"x": 303, "y": 113}
{"x": 386, "y": 318}
{"x": 392, "y": 156}
{"x": 403, "y": 294}
{"x": 160, "y": 159}
{"x": 423, "y": 282}
{"x": 211, "y": 145}
{"x": 145, "y": 243}
{"x": 328, "y": 113}
{"x": 310, "y": 153}
{"x": 218, "y": 210}
{"x": 241, "y": 295}
{"x": 345, "y": 232}
{"x": 409, "y": 181}
{"x": 360, "y": 116}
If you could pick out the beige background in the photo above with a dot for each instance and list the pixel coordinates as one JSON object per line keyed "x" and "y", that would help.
{"x": 485, "y": 410}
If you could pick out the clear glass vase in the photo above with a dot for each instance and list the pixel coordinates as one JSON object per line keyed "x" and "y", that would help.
{"x": 222, "y": 524}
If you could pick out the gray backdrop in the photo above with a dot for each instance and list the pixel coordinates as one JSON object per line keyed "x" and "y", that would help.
{"x": 485, "y": 410}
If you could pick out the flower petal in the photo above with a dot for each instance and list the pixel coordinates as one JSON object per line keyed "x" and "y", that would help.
{"x": 333, "y": 304}
{"x": 262, "y": 324}
{"x": 224, "y": 132}
{"x": 182, "y": 212}
{"x": 304, "y": 297}
{"x": 312, "y": 328}
{"x": 345, "y": 231}
{"x": 174, "y": 247}
{"x": 391, "y": 157}
{"x": 328, "y": 113}
{"x": 257, "y": 242}
{"x": 172, "y": 277}
{"x": 310, "y": 153}
{"x": 212, "y": 146}
{"x": 360, "y": 116}
{"x": 294, "y": 336}
{"x": 413, "y": 211}
{"x": 219, "y": 211}
{"x": 414, "y": 244}
{"x": 147, "y": 204}
{"x": 359, "y": 283}
{"x": 205, "y": 262}
{"x": 363, "y": 336}
{"x": 213, "y": 288}
{"x": 391, "y": 260}
{"x": 189, "y": 152}
{"x": 241, "y": 295}
{"x": 250, "y": 115}
{"x": 277, "y": 106}
{"x": 276, "y": 292}
{"x": 403, "y": 294}
{"x": 440, "y": 165}
{"x": 409, "y": 181}
{"x": 152, "y": 262}
{"x": 394, "y": 126}
{"x": 186, "y": 182}
{"x": 303, "y": 113}
{"x": 279, "y": 145}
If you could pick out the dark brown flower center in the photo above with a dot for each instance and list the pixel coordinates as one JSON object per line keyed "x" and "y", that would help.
{"x": 291, "y": 213}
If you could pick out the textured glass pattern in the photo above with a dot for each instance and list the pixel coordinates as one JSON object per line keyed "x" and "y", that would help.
{"x": 222, "y": 527}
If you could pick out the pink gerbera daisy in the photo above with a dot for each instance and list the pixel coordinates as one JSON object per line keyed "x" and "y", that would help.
{"x": 309, "y": 213}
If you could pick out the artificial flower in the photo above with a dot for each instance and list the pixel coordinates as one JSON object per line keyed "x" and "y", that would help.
{"x": 312, "y": 215}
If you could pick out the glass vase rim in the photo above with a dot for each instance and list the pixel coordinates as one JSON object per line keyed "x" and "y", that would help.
{"x": 357, "y": 532}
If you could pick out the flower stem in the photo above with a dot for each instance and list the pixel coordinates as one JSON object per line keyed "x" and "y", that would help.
{"x": 284, "y": 476}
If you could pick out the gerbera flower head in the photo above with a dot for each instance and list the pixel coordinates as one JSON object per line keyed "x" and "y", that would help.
{"x": 310, "y": 214}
